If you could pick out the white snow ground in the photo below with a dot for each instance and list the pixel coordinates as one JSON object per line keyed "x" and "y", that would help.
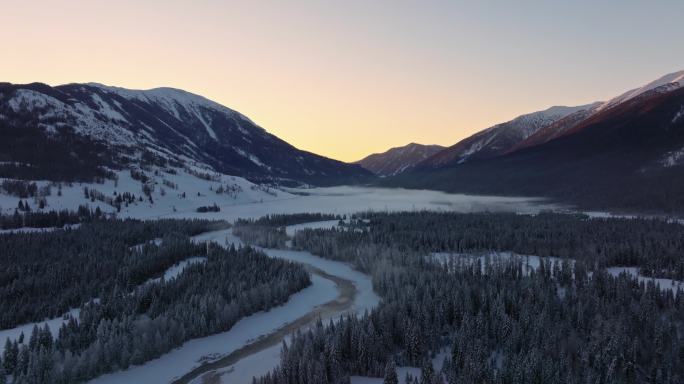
{"x": 530, "y": 262}
{"x": 251, "y": 201}
{"x": 664, "y": 284}
{"x": 437, "y": 363}
{"x": 223, "y": 237}
{"x": 37, "y": 230}
{"x": 54, "y": 324}
{"x": 173, "y": 271}
{"x": 327, "y": 224}
{"x": 166, "y": 200}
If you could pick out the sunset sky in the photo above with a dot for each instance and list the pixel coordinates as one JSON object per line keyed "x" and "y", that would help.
{"x": 348, "y": 78}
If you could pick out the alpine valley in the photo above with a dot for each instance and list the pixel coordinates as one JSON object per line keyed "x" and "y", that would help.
{"x": 625, "y": 154}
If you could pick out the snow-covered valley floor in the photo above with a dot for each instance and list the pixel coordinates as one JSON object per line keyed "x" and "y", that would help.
{"x": 179, "y": 194}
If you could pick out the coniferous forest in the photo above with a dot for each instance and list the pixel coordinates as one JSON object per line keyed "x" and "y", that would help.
{"x": 107, "y": 268}
{"x": 563, "y": 323}
{"x": 566, "y": 321}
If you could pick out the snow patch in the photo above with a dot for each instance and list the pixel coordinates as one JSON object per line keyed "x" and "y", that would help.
{"x": 679, "y": 115}
{"x": 175, "y": 270}
{"x": 54, "y": 324}
{"x": 290, "y": 230}
{"x": 672, "y": 158}
{"x": 664, "y": 284}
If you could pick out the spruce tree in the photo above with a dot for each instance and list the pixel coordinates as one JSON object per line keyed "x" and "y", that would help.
{"x": 391, "y": 373}
{"x": 427, "y": 373}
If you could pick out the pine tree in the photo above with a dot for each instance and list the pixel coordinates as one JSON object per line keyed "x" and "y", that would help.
{"x": 427, "y": 373}
{"x": 9, "y": 356}
{"x": 34, "y": 340}
{"x": 22, "y": 361}
{"x": 391, "y": 373}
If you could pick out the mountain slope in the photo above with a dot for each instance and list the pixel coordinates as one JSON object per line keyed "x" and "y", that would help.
{"x": 630, "y": 156}
{"x": 399, "y": 159}
{"x": 499, "y": 139}
{"x": 580, "y": 119}
{"x": 157, "y": 125}
{"x": 627, "y": 153}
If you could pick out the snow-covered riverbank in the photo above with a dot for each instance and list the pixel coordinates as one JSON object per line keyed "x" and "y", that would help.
{"x": 196, "y": 352}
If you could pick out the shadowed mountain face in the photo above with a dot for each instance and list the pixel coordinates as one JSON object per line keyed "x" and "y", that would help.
{"x": 627, "y": 153}
{"x": 398, "y": 160}
{"x": 88, "y": 127}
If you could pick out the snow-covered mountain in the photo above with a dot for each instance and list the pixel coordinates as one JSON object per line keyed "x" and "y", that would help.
{"x": 159, "y": 126}
{"x": 399, "y": 159}
{"x": 580, "y": 119}
{"x": 500, "y": 138}
{"x": 626, "y": 153}
{"x": 664, "y": 84}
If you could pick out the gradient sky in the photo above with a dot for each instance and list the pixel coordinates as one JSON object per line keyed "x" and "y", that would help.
{"x": 348, "y": 78}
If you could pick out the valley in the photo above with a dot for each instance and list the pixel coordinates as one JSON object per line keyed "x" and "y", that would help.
{"x": 195, "y": 247}
{"x": 359, "y": 192}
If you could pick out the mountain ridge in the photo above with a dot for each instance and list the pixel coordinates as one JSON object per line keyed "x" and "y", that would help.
{"x": 627, "y": 156}
{"x": 397, "y": 160}
{"x": 167, "y": 123}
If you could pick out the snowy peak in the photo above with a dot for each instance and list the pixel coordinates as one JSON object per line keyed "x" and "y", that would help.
{"x": 667, "y": 83}
{"x": 540, "y": 127}
{"x": 172, "y": 98}
{"x": 173, "y": 125}
{"x": 399, "y": 159}
{"x": 577, "y": 121}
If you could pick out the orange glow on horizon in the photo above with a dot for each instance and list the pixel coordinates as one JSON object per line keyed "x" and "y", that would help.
{"x": 340, "y": 80}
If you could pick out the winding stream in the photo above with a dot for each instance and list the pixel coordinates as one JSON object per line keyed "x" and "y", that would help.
{"x": 252, "y": 346}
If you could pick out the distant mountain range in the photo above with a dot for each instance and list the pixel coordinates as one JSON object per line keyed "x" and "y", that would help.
{"x": 625, "y": 153}
{"x": 80, "y": 131}
{"x": 398, "y": 160}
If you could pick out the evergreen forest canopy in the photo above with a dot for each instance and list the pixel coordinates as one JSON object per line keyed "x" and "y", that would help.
{"x": 563, "y": 323}
{"x": 106, "y": 268}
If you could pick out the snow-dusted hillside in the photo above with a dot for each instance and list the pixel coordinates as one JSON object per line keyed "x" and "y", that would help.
{"x": 500, "y": 138}
{"x": 574, "y": 121}
{"x": 540, "y": 127}
{"x": 398, "y": 160}
{"x": 161, "y": 125}
{"x": 152, "y": 193}
{"x": 664, "y": 84}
